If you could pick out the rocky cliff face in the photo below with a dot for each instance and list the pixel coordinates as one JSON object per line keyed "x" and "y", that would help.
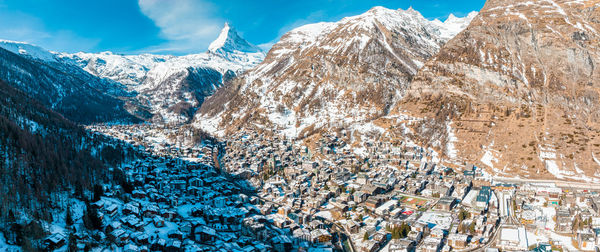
{"x": 330, "y": 75}
{"x": 517, "y": 91}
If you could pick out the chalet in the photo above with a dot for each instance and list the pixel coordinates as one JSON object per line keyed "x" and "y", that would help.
{"x": 564, "y": 220}
{"x": 370, "y": 246}
{"x": 282, "y": 243}
{"x": 130, "y": 248}
{"x": 458, "y": 241}
{"x": 446, "y": 203}
{"x": 415, "y": 236}
{"x": 99, "y": 205}
{"x": 119, "y": 237}
{"x": 586, "y": 241}
{"x": 197, "y": 182}
{"x": 173, "y": 245}
{"x": 151, "y": 210}
{"x": 158, "y": 221}
{"x": 402, "y": 245}
{"x": 431, "y": 245}
{"x": 131, "y": 209}
{"x": 112, "y": 210}
{"x": 168, "y": 215}
{"x": 380, "y": 237}
{"x": 302, "y": 235}
{"x": 320, "y": 236}
{"x": 54, "y": 241}
{"x": 372, "y": 202}
{"x": 483, "y": 197}
{"x": 138, "y": 194}
{"x": 178, "y": 185}
{"x": 159, "y": 245}
{"x": 372, "y": 189}
{"x": 352, "y": 226}
{"x": 141, "y": 238}
{"x": 359, "y": 197}
{"x": 204, "y": 234}
{"x": 176, "y": 234}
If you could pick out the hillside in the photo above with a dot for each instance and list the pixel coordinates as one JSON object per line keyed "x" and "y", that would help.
{"x": 330, "y": 75}
{"x": 517, "y": 91}
{"x": 44, "y": 154}
{"x": 69, "y": 90}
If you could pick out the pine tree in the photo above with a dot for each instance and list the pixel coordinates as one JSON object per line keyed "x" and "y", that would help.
{"x": 366, "y": 236}
{"x": 69, "y": 218}
{"x": 98, "y": 192}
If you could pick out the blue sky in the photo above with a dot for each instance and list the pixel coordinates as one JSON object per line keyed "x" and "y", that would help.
{"x": 181, "y": 26}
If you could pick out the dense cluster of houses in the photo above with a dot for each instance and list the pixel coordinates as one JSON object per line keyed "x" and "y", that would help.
{"x": 398, "y": 185}
{"x": 276, "y": 194}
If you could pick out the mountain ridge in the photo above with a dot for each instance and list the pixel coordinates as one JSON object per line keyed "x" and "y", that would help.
{"x": 172, "y": 87}
{"x": 518, "y": 90}
{"x": 358, "y": 66}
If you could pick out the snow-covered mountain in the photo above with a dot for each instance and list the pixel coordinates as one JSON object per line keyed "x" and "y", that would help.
{"x": 331, "y": 74}
{"x": 129, "y": 70}
{"x": 172, "y": 87}
{"x": 517, "y": 91}
{"x": 67, "y": 89}
{"x": 453, "y": 25}
{"x": 231, "y": 45}
{"x": 27, "y": 50}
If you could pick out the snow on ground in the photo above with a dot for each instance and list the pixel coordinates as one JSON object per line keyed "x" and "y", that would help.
{"x": 470, "y": 198}
{"x": 325, "y": 214}
{"x": 490, "y": 158}
{"x": 436, "y": 219}
{"x": 28, "y": 50}
{"x": 162, "y": 232}
{"x": 549, "y": 212}
{"x": 552, "y": 168}
{"x": 565, "y": 241}
{"x": 451, "y": 151}
{"x": 5, "y": 247}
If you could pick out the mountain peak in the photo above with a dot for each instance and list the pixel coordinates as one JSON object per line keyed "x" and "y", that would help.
{"x": 229, "y": 41}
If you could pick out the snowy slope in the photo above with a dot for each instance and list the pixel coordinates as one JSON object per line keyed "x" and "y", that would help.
{"x": 453, "y": 25}
{"x": 528, "y": 69}
{"x": 331, "y": 74}
{"x": 28, "y": 50}
{"x": 162, "y": 82}
{"x": 126, "y": 69}
{"x": 67, "y": 89}
{"x": 231, "y": 45}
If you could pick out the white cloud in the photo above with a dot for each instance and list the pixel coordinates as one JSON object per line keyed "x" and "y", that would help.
{"x": 188, "y": 25}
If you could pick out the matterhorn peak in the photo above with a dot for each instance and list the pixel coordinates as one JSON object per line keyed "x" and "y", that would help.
{"x": 412, "y": 10}
{"x": 451, "y": 17}
{"x": 229, "y": 41}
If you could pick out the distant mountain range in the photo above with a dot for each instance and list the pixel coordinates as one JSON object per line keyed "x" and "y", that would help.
{"x": 161, "y": 88}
